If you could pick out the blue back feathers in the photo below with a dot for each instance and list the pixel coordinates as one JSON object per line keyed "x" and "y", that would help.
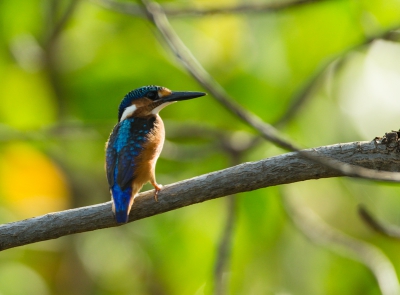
{"x": 135, "y": 94}
{"x": 125, "y": 144}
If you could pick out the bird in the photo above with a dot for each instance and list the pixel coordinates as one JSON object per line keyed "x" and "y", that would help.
{"x": 135, "y": 143}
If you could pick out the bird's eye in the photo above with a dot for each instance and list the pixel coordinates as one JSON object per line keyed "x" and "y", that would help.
{"x": 152, "y": 95}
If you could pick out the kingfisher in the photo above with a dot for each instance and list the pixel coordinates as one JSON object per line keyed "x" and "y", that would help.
{"x": 135, "y": 144}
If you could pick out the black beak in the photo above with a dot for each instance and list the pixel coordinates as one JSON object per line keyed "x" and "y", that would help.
{"x": 184, "y": 95}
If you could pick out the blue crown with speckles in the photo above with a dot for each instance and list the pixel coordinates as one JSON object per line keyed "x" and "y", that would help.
{"x": 135, "y": 94}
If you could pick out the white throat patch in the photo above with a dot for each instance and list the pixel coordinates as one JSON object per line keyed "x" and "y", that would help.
{"x": 160, "y": 107}
{"x": 127, "y": 112}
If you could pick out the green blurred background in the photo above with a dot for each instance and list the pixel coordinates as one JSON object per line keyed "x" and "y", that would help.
{"x": 60, "y": 87}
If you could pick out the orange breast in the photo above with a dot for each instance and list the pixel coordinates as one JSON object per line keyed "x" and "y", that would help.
{"x": 146, "y": 161}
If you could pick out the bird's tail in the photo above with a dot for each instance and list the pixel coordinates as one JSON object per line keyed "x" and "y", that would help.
{"x": 122, "y": 203}
{"x": 121, "y": 216}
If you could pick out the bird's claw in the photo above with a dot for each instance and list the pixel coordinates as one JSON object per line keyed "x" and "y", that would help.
{"x": 156, "y": 190}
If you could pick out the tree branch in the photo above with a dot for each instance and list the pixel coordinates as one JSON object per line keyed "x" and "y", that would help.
{"x": 283, "y": 169}
{"x": 380, "y": 227}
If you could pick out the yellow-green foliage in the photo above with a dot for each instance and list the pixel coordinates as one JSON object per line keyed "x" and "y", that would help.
{"x": 59, "y": 100}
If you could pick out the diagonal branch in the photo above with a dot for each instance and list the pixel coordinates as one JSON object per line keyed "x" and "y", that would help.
{"x": 283, "y": 169}
{"x": 159, "y": 19}
{"x": 300, "y": 98}
{"x": 380, "y": 227}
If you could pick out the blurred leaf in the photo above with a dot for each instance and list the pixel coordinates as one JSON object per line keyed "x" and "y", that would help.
{"x": 18, "y": 279}
{"x": 30, "y": 183}
{"x": 26, "y": 100}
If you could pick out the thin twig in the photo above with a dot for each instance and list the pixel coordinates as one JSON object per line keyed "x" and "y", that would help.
{"x": 133, "y": 9}
{"x": 224, "y": 248}
{"x": 59, "y": 25}
{"x": 335, "y": 62}
{"x": 302, "y": 96}
{"x": 50, "y": 50}
{"x": 72, "y": 131}
{"x": 225, "y": 245}
{"x": 372, "y": 257}
{"x": 283, "y": 169}
{"x": 378, "y": 226}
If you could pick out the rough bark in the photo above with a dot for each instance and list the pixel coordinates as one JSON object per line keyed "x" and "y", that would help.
{"x": 283, "y": 169}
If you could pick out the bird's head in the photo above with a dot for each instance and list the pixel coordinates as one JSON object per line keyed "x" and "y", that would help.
{"x": 149, "y": 100}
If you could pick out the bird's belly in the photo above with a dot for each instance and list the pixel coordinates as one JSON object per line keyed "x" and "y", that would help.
{"x": 147, "y": 159}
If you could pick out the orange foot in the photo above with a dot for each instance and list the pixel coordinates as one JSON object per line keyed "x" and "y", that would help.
{"x": 157, "y": 188}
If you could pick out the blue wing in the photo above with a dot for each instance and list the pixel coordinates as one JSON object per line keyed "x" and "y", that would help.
{"x": 124, "y": 145}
